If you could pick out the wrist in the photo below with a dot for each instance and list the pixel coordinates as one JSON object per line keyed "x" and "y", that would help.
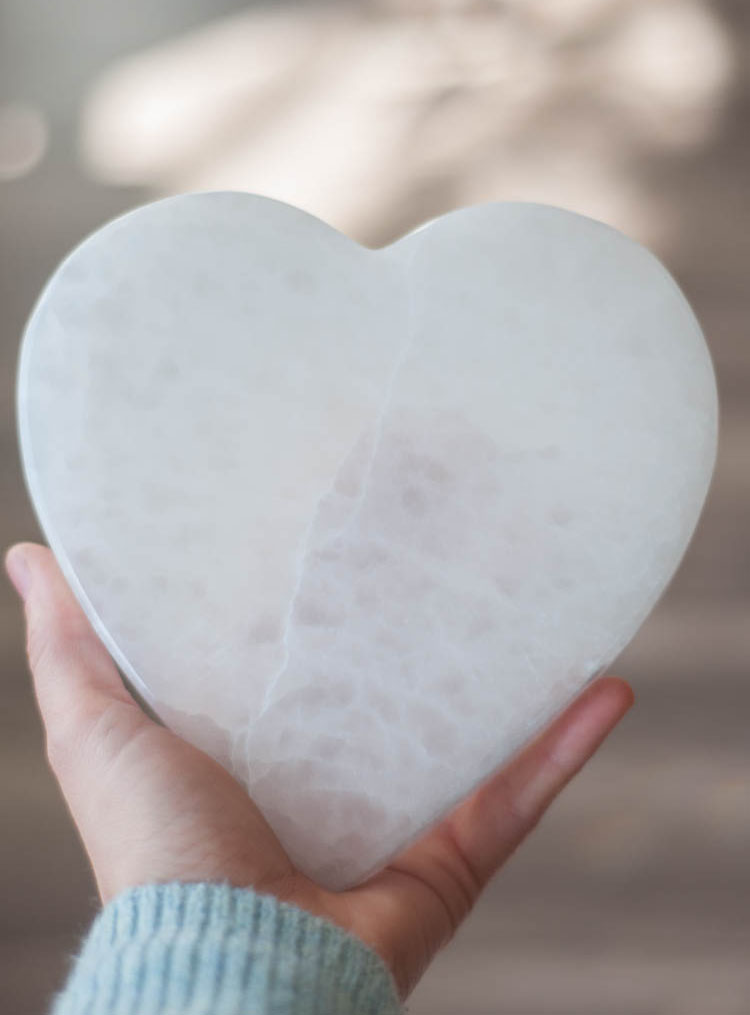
{"x": 211, "y": 947}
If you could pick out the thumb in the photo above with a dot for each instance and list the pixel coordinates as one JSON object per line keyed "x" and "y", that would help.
{"x": 81, "y": 697}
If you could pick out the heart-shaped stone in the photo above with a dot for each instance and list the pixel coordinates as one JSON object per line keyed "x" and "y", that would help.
{"x": 357, "y": 522}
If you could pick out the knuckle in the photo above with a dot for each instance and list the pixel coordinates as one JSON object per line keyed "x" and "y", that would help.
{"x": 509, "y": 803}
{"x": 91, "y": 734}
{"x": 47, "y": 645}
{"x": 461, "y": 873}
{"x": 557, "y": 765}
{"x": 106, "y": 730}
{"x": 54, "y": 635}
{"x": 37, "y": 647}
{"x": 61, "y": 744}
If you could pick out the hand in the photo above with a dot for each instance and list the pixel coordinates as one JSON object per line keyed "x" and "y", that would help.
{"x": 152, "y": 808}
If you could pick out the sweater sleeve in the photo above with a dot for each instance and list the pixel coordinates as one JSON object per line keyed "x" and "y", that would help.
{"x": 210, "y": 949}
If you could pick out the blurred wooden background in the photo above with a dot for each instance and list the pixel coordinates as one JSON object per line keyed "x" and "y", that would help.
{"x": 633, "y": 897}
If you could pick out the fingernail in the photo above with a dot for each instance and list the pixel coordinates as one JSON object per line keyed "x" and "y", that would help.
{"x": 18, "y": 571}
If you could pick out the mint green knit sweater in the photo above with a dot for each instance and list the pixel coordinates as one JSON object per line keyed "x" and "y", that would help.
{"x": 209, "y": 949}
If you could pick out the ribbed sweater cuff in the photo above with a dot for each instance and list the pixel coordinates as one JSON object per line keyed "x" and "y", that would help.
{"x": 210, "y": 949}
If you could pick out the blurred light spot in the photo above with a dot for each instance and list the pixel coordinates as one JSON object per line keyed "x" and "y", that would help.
{"x": 151, "y": 114}
{"x": 670, "y": 62}
{"x": 23, "y": 140}
{"x": 673, "y": 52}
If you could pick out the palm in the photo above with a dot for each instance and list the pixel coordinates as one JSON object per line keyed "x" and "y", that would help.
{"x": 150, "y": 807}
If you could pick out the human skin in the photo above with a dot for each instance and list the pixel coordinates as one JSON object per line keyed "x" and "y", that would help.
{"x": 150, "y": 807}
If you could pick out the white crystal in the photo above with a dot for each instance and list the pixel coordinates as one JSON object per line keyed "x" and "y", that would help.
{"x": 357, "y": 522}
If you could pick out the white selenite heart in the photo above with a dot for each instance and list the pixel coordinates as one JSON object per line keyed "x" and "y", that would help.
{"x": 357, "y": 522}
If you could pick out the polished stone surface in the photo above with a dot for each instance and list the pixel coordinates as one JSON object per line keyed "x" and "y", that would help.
{"x": 462, "y": 469}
